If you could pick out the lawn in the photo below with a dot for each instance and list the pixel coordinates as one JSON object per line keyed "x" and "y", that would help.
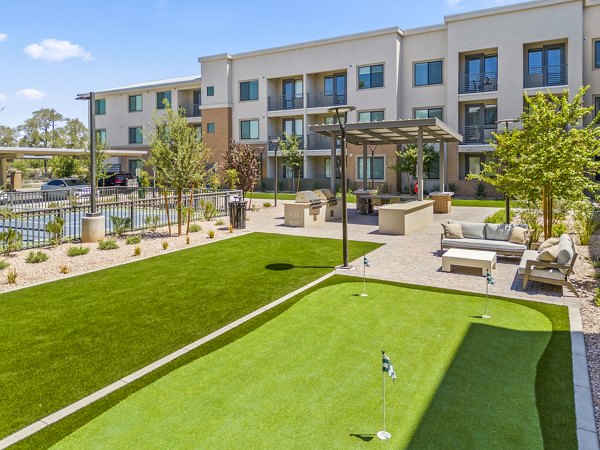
{"x": 311, "y": 378}
{"x": 64, "y": 340}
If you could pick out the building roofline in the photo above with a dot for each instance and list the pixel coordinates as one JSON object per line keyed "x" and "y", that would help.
{"x": 426, "y": 29}
{"x": 504, "y": 9}
{"x": 308, "y": 44}
{"x": 178, "y": 81}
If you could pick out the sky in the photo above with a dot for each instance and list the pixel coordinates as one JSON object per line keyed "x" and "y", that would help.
{"x": 52, "y": 51}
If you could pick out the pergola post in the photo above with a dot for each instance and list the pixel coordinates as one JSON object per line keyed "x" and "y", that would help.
{"x": 420, "y": 164}
{"x": 332, "y": 168}
{"x": 364, "y": 167}
{"x": 442, "y": 167}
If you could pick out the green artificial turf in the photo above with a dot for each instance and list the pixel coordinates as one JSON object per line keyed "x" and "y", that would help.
{"x": 64, "y": 340}
{"x": 311, "y": 378}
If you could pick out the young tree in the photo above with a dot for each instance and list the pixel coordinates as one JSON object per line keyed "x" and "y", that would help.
{"x": 406, "y": 162}
{"x": 291, "y": 155}
{"x": 552, "y": 157}
{"x": 244, "y": 161}
{"x": 74, "y": 134}
{"x": 178, "y": 154}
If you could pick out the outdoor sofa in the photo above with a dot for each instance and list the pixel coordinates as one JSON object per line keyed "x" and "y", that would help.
{"x": 506, "y": 239}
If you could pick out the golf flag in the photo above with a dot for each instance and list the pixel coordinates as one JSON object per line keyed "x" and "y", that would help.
{"x": 490, "y": 278}
{"x": 387, "y": 367}
{"x": 366, "y": 261}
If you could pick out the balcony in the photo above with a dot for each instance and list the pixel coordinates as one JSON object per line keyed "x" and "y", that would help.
{"x": 478, "y": 82}
{"x": 192, "y": 110}
{"x": 320, "y": 142}
{"x": 273, "y": 145}
{"x": 323, "y": 99}
{"x": 283, "y": 102}
{"x": 478, "y": 134}
{"x": 546, "y": 76}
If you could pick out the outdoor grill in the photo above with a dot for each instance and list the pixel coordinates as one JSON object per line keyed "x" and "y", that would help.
{"x": 326, "y": 196}
{"x": 311, "y": 199}
{"x": 333, "y": 209}
{"x": 305, "y": 211}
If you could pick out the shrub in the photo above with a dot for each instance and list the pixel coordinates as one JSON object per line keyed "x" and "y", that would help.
{"x": 137, "y": 250}
{"x": 35, "y": 257}
{"x": 133, "y": 239}
{"x": 11, "y": 277}
{"x": 165, "y": 245}
{"x": 107, "y": 244}
{"x": 586, "y": 222}
{"x": 55, "y": 229}
{"x": 194, "y": 228}
{"x": 64, "y": 269}
{"x": 597, "y": 297}
{"x": 120, "y": 224}
{"x": 558, "y": 229}
{"x": 220, "y": 222}
{"x": 267, "y": 205}
{"x": 152, "y": 222}
{"x": 499, "y": 216}
{"x": 480, "y": 190}
{"x": 7, "y": 213}
{"x": 209, "y": 211}
{"x": 10, "y": 241}
{"x": 78, "y": 250}
{"x": 596, "y": 263}
{"x": 187, "y": 240}
{"x": 531, "y": 217}
{"x": 211, "y": 234}
{"x": 230, "y": 229}
{"x": 4, "y": 264}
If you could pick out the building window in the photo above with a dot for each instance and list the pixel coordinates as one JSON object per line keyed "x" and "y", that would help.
{"x": 370, "y": 116}
{"x": 378, "y": 166}
{"x": 434, "y": 169}
{"x": 427, "y": 73}
{"x": 370, "y": 76}
{"x": 428, "y": 113}
{"x": 135, "y": 103}
{"x": 135, "y": 135}
{"x": 249, "y": 129}
{"x": 210, "y": 91}
{"x": 338, "y": 170}
{"x": 597, "y": 106}
{"x": 210, "y": 127}
{"x": 597, "y": 54}
{"x": 100, "y": 106}
{"x": 248, "y": 90}
{"x": 293, "y": 127}
{"x": 101, "y": 136}
{"x": 160, "y": 96}
{"x": 472, "y": 163}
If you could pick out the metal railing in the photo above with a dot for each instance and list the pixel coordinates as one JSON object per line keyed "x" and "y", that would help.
{"x": 273, "y": 143}
{"x": 546, "y": 76}
{"x": 282, "y": 102}
{"x": 144, "y": 213}
{"x": 478, "y": 134}
{"x": 478, "y": 82}
{"x": 192, "y": 110}
{"x": 324, "y": 99}
{"x": 320, "y": 142}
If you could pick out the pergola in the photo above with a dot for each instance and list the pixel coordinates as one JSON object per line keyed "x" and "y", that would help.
{"x": 411, "y": 131}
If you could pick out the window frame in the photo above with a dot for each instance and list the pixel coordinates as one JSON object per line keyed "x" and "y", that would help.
{"x": 596, "y": 54}
{"x": 428, "y": 62}
{"x": 210, "y": 91}
{"x": 211, "y": 128}
{"x": 596, "y": 103}
{"x": 248, "y": 83}
{"x": 249, "y": 121}
{"x": 100, "y": 111}
{"x": 370, "y": 112}
{"x": 370, "y": 66}
{"x": 129, "y": 102}
{"x": 359, "y": 168}
{"x": 99, "y": 132}
{"x": 141, "y": 135}
{"x": 428, "y": 109}
{"x": 160, "y": 105}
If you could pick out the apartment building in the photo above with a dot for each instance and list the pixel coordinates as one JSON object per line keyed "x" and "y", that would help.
{"x": 471, "y": 72}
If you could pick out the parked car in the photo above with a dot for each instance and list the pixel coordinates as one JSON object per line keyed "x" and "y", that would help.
{"x": 118, "y": 179}
{"x": 62, "y": 188}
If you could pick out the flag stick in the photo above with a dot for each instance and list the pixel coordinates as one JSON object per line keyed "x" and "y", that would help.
{"x": 364, "y": 294}
{"x": 486, "y": 314}
{"x": 383, "y": 435}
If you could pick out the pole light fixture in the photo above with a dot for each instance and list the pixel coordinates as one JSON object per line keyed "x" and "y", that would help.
{"x": 90, "y": 97}
{"x": 341, "y": 113}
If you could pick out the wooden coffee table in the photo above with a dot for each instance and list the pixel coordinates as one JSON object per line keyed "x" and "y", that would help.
{"x": 469, "y": 258}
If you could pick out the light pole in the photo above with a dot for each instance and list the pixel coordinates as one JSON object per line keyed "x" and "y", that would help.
{"x": 262, "y": 181}
{"x": 342, "y": 112}
{"x": 276, "y": 142}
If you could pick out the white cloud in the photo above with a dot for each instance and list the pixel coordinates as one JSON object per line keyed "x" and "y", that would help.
{"x": 453, "y": 3}
{"x": 54, "y": 50}
{"x": 3, "y": 97}
{"x": 30, "y": 94}
{"x": 3, "y": 37}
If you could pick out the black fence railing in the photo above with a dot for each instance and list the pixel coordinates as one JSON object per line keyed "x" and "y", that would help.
{"x": 324, "y": 99}
{"x": 282, "y": 102}
{"x": 478, "y": 134}
{"x": 479, "y": 82}
{"x": 273, "y": 144}
{"x": 144, "y": 213}
{"x": 546, "y": 76}
{"x": 320, "y": 142}
{"x": 192, "y": 110}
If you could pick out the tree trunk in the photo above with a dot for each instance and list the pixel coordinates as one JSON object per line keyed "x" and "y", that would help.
{"x": 187, "y": 229}
{"x": 168, "y": 213}
{"x": 178, "y": 211}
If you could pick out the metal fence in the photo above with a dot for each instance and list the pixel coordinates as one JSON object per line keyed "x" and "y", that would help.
{"x": 144, "y": 213}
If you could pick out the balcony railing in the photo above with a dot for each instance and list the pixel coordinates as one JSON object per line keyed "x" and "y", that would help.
{"x": 273, "y": 145}
{"x": 479, "y": 82}
{"x": 320, "y": 142}
{"x": 478, "y": 134}
{"x": 546, "y": 76}
{"x": 283, "y": 102}
{"x": 192, "y": 110}
{"x": 322, "y": 99}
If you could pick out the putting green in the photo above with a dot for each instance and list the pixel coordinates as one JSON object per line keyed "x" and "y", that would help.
{"x": 311, "y": 378}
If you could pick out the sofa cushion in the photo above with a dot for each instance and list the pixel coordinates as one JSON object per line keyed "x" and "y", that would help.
{"x": 552, "y": 274}
{"x": 484, "y": 244}
{"x": 453, "y": 231}
{"x": 498, "y": 232}
{"x": 518, "y": 236}
{"x": 549, "y": 254}
{"x": 472, "y": 230}
{"x": 565, "y": 250}
{"x": 548, "y": 243}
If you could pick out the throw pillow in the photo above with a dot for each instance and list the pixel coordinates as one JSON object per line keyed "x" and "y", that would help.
{"x": 548, "y": 243}
{"x": 452, "y": 231}
{"x": 498, "y": 232}
{"x": 549, "y": 254}
{"x": 518, "y": 236}
{"x": 565, "y": 251}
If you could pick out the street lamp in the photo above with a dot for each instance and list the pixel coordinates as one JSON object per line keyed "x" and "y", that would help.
{"x": 342, "y": 112}
{"x": 276, "y": 142}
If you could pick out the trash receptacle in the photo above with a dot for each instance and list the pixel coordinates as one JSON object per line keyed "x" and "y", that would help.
{"x": 237, "y": 214}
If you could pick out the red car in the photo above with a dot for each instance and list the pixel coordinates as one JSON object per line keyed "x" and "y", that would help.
{"x": 116, "y": 179}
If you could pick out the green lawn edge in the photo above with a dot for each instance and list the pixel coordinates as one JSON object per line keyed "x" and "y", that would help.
{"x": 553, "y": 386}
